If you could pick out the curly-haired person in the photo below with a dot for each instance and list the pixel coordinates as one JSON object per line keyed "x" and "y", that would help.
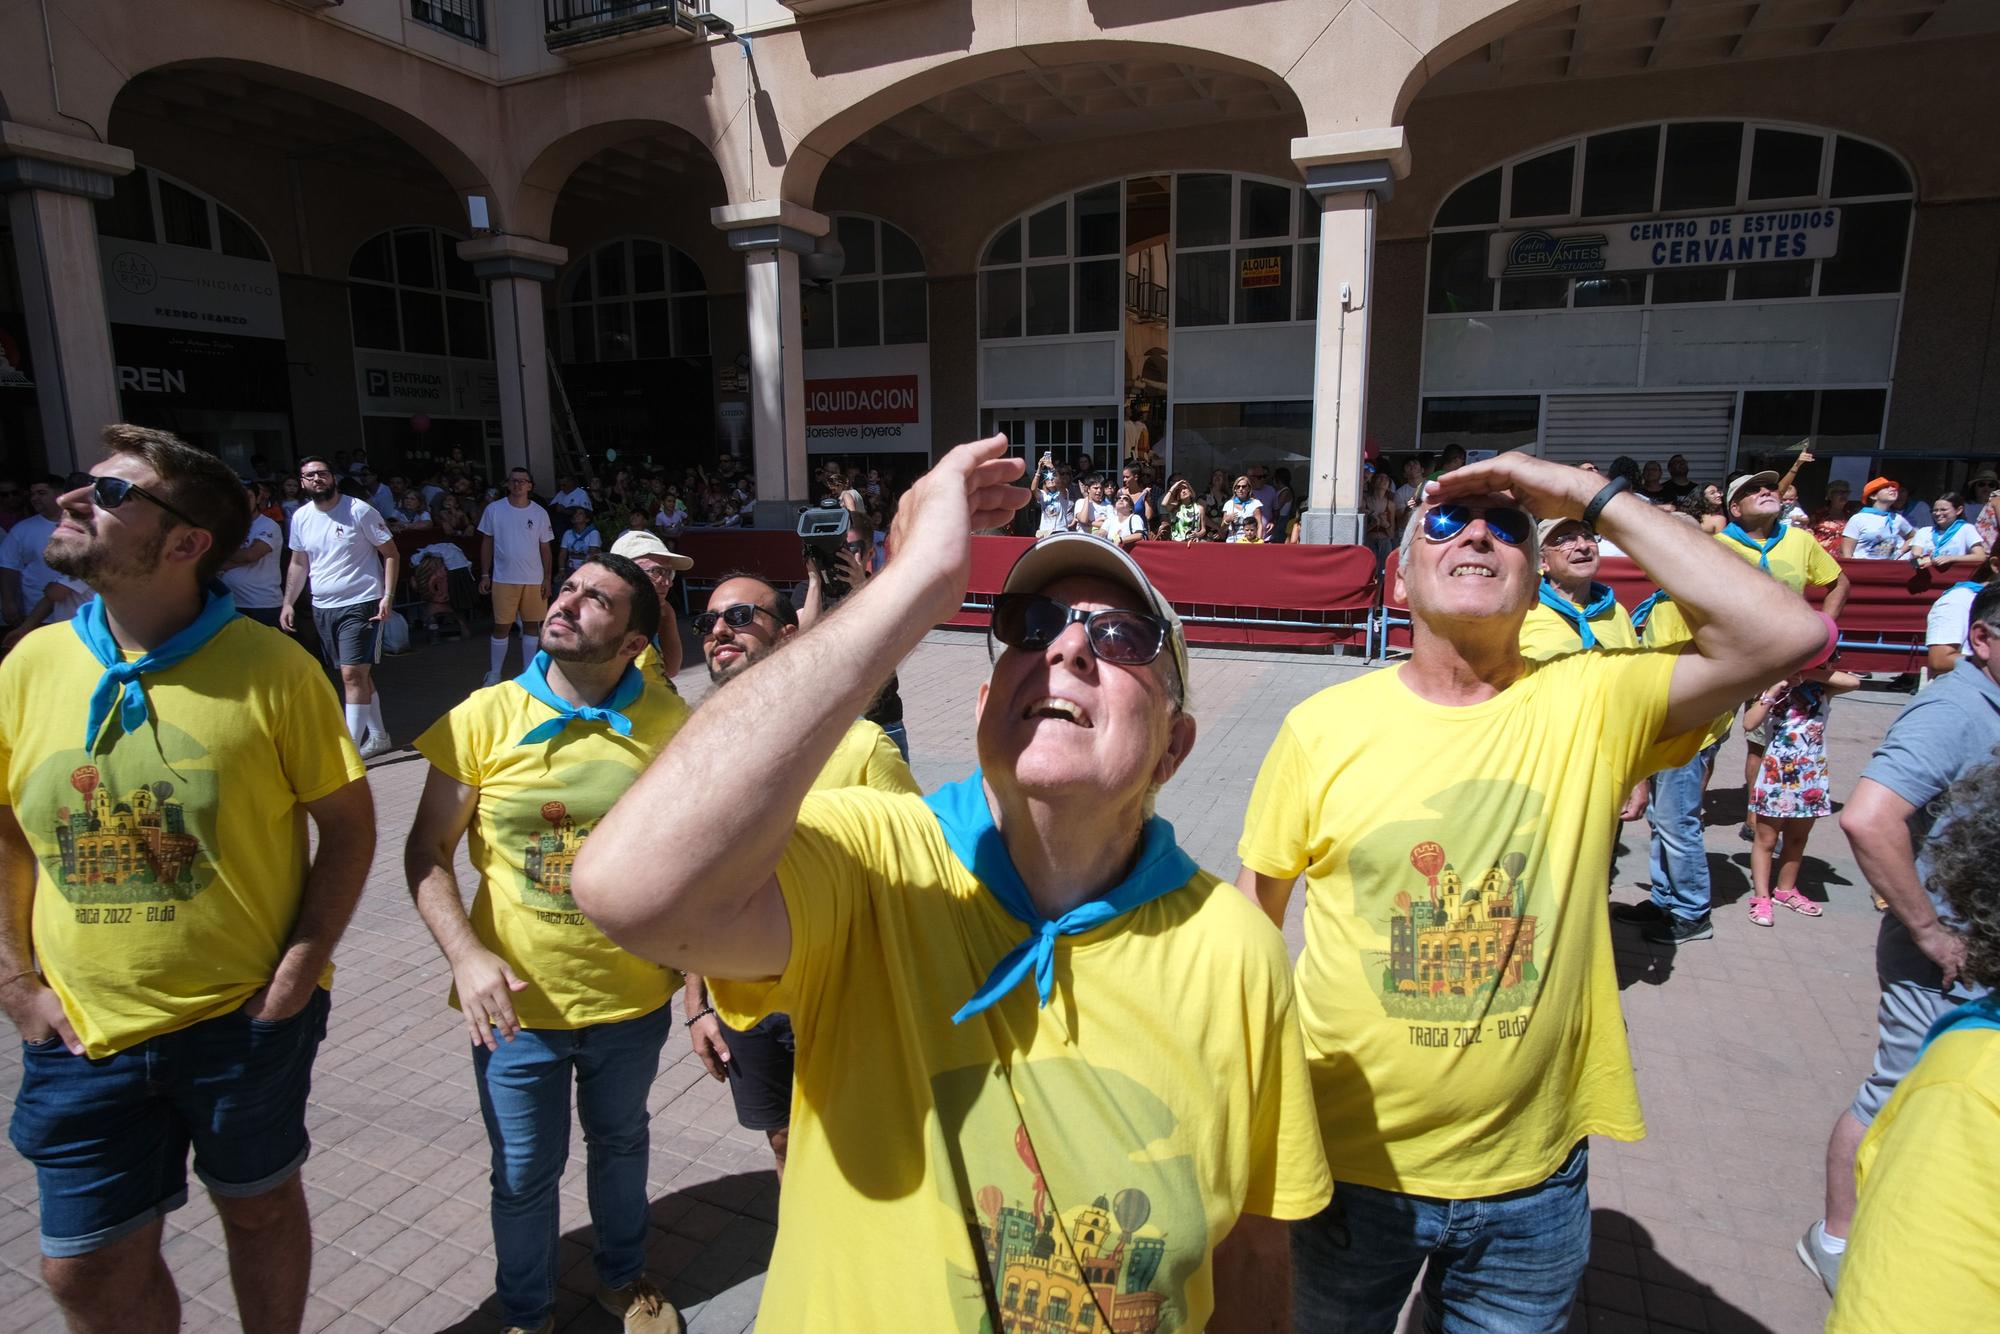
{"x": 1926, "y": 1221}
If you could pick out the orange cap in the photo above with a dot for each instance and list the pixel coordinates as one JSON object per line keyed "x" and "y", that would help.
{"x": 1868, "y": 491}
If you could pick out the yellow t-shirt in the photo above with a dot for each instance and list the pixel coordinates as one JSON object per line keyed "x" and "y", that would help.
{"x": 1545, "y": 634}
{"x": 866, "y": 757}
{"x": 1796, "y": 561}
{"x": 1924, "y": 1252}
{"x": 170, "y": 862}
{"x": 1457, "y": 993}
{"x": 536, "y": 806}
{"x": 1090, "y": 1154}
{"x": 1665, "y": 629}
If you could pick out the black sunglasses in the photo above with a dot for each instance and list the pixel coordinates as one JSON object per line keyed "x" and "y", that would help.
{"x": 1032, "y": 621}
{"x": 111, "y": 492}
{"x": 1444, "y": 522}
{"x": 735, "y": 617}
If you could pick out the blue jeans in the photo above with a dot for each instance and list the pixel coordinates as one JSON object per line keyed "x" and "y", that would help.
{"x": 524, "y": 1098}
{"x": 1505, "y": 1264}
{"x": 901, "y": 737}
{"x": 1680, "y": 861}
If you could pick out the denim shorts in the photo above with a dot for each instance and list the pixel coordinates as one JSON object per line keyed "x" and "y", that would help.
{"x": 760, "y": 1072}
{"x": 109, "y": 1137}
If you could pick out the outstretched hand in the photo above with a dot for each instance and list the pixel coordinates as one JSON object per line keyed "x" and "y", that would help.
{"x": 1549, "y": 490}
{"x": 975, "y": 486}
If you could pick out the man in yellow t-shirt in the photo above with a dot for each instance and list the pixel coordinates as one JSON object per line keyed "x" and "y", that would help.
{"x": 160, "y": 755}
{"x": 1047, "y": 1067}
{"x": 662, "y": 565}
{"x": 1677, "y": 911}
{"x": 529, "y": 767}
{"x": 1452, "y": 818}
{"x": 1924, "y": 1249}
{"x": 747, "y": 620}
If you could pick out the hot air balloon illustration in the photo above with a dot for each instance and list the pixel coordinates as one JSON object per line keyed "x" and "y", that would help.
{"x": 1428, "y": 858}
{"x": 1025, "y": 1147}
{"x": 163, "y": 790}
{"x": 553, "y": 811}
{"x": 84, "y": 779}
{"x": 989, "y": 1199}
{"x": 1513, "y": 864}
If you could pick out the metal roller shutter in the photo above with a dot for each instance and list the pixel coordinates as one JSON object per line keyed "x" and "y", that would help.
{"x": 1596, "y": 428}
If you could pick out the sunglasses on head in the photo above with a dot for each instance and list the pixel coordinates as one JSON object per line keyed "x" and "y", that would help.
{"x": 735, "y": 617}
{"x": 1444, "y": 522}
{"x": 1031, "y": 621}
{"x": 111, "y": 492}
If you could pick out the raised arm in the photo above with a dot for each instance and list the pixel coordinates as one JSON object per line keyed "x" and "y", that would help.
{"x": 1749, "y": 629}
{"x": 682, "y": 870}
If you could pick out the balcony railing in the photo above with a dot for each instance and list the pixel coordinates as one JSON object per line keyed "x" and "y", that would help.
{"x": 460, "y": 18}
{"x": 572, "y": 22}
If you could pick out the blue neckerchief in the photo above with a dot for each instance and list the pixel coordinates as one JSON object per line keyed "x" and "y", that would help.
{"x": 535, "y": 681}
{"x": 1602, "y": 599}
{"x": 1940, "y": 538}
{"x": 975, "y": 840}
{"x": 1981, "y": 1013}
{"x": 93, "y": 627}
{"x": 1734, "y": 532}
{"x": 1644, "y": 611}
{"x": 1972, "y": 584}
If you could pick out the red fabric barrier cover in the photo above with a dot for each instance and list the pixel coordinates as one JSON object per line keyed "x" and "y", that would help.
{"x": 767, "y": 553}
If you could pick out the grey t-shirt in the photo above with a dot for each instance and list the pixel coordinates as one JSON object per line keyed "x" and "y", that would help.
{"x": 1947, "y": 729}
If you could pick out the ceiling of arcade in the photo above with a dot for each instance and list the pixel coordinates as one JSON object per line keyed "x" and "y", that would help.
{"x": 1601, "y": 38}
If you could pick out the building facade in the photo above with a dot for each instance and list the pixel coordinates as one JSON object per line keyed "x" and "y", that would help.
{"x": 1267, "y": 231}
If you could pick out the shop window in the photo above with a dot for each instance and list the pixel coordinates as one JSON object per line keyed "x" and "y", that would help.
{"x": 1458, "y": 274}
{"x": 868, "y": 305}
{"x": 1048, "y": 300}
{"x": 1774, "y": 282}
{"x": 374, "y": 313}
{"x": 1308, "y": 281}
{"x": 1616, "y": 290}
{"x": 857, "y": 310}
{"x": 467, "y": 329}
{"x": 1005, "y": 248}
{"x": 1850, "y": 420}
{"x": 1201, "y": 210}
{"x": 1486, "y": 423}
{"x": 1702, "y": 163}
{"x": 1097, "y": 296}
{"x": 1048, "y": 232}
{"x": 1264, "y": 285}
{"x": 1265, "y": 211}
{"x": 1542, "y": 185}
{"x": 1097, "y": 221}
{"x": 1202, "y": 282}
{"x": 408, "y": 291}
{"x": 183, "y": 217}
{"x": 1233, "y": 436}
{"x": 1873, "y": 241}
{"x": 1618, "y": 171}
{"x": 235, "y": 237}
{"x": 1785, "y": 164}
{"x": 624, "y": 301}
{"x": 1533, "y": 293}
{"x": 128, "y": 214}
{"x": 1672, "y": 287}
{"x": 423, "y": 322}
{"x": 1474, "y": 203}
{"x": 416, "y": 258}
{"x": 1000, "y": 304}
{"x": 905, "y": 310}
{"x": 1862, "y": 169}
{"x": 1838, "y": 421}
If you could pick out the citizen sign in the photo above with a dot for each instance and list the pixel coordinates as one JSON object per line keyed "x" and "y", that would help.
{"x": 872, "y": 401}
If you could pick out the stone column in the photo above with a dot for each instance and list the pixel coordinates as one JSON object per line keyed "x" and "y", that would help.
{"x": 771, "y": 235}
{"x": 515, "y": 267}
{"x": 1348, "y": 173}
{"x": 52, "y": 182}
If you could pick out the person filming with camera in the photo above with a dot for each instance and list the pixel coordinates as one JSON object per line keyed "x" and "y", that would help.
{"x": 831, "y": 579}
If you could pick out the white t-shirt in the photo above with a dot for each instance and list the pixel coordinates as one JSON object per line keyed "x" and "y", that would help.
{"x": 518, "y": 532}
{"x": 1950, "y": 619}
{"x": 1057, "y": 512}
{"x": 339, "y": 543}
{"x": 576, "y": 498}
{"x": 1401, "y": 495}
{"x": 259, "y": 584}
{"x": 576, "y": 546}
{"x": 1129, "y": 526}
{"x": 1924, "y": 542}
{"x": 1242, "y": 520}
{"x": 1876, "y": 534}
{"x": 450, "y": 553}
{"x": 22, "y": 553}
{"x": 1090, "y": 515}
{"x": 384, "y": 500}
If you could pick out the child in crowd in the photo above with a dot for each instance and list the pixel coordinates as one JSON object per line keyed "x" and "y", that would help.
{"x": 1792, "y": 789}
{"x": 1125, "y": 528}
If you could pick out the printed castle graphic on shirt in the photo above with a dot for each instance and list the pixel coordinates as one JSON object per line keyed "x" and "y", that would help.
{"x": 1456, "y": 952}
{"x": 550, "y": 858}
{"x": 115, "y": 836}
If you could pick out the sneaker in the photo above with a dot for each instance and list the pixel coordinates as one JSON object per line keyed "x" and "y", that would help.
{"x": 378, "y": 743}
{"x": 1643, "y": 914}
{"x": 1815, "y": 1256}
{"x": 1679, "y": 930}
{"x": 492, "y": 679}
{"x": 641, "y": 1307}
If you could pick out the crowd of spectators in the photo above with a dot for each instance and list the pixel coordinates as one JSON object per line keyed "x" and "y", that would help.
{"x": 1135, "y": 503}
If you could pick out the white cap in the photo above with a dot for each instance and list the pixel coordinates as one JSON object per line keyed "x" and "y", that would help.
{"x": 1060, "y": 554}
{"x": 638, "y": 543}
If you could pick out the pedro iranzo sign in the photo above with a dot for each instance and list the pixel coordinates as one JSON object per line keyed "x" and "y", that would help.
{"x": 1667, "y": 243}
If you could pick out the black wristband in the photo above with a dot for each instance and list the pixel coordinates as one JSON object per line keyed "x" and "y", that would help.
{"x": 704, "y": 1012}
{"x": 1603, "y": 498}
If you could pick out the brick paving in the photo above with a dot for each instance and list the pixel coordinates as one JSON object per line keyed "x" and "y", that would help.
{"x": 1746, "y": 1046}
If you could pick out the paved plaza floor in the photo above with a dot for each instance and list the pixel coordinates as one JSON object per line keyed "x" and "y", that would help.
{"x": 1747, "y": 1046}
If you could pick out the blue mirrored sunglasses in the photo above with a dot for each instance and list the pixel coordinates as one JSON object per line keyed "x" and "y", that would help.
{"x": 1444, "y": 522}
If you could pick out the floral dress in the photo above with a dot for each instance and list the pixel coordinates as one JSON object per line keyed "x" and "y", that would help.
{"x": 1188, "y": 520}
{"x": 1793, "y": 784}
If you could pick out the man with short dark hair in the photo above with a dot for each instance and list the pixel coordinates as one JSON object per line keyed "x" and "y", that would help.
{"x": 1949, "y": 728}
{"x": 251, "y": 572}
{"x": 166, "y": 940}
{"x": 662, "y": 565}
{"x": 1678, "y": 484}
{"x": 746, "y": 621}
{"x": 344, "y": 547}
{"x": 531, "y": 766}
{"x": 1453, "y": 819}
{"x": 515, "y": 566}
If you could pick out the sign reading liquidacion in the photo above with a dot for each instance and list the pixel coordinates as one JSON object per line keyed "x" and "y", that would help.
{"x": 1667, "y": 243}
{"x": 876, "y": 400}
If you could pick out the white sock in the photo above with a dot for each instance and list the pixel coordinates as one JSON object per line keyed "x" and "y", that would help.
{"x": 497, "y": 653}
{"x": 530, "y": 646}
{"x": 1832, "y": 1244}
{"x": 357, "y": 722}
{"x": 375, "y": 723}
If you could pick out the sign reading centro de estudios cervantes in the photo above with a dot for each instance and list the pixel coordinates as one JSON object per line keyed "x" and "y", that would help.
{"x": 1657, "y": 244}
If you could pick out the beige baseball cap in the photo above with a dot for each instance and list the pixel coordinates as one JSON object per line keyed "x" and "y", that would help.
{"x": 1061, "y": 554}
{"x": 634, "y": 545}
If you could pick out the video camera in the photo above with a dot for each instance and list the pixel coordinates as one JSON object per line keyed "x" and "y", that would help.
{"x": 823, "y": 529}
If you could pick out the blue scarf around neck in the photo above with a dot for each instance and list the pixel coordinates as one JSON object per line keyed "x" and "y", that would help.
{"x": 1981, "y": 1013}
{"x": 1602, "y": 599}
{"x": 974, "y": 838}
{"x": 1644, "y": 611}
{"x": 1734, "y": 532}
{"x": 535, "y": 680}
{"x": 93, "y": 627}
{"x": 1972, "y": 584}
{"x": 1941, "y": 536}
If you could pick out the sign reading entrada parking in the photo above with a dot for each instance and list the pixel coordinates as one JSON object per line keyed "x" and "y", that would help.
{"x": 1667, "y": 243}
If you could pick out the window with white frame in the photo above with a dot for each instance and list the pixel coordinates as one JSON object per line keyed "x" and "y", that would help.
{"x": 881, "y": 296}
{"x": 633, "y": 299}
{"x": 147, "y": 206}
{"x": 408, "y": 291}
{"x": 1679, "y": 168}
